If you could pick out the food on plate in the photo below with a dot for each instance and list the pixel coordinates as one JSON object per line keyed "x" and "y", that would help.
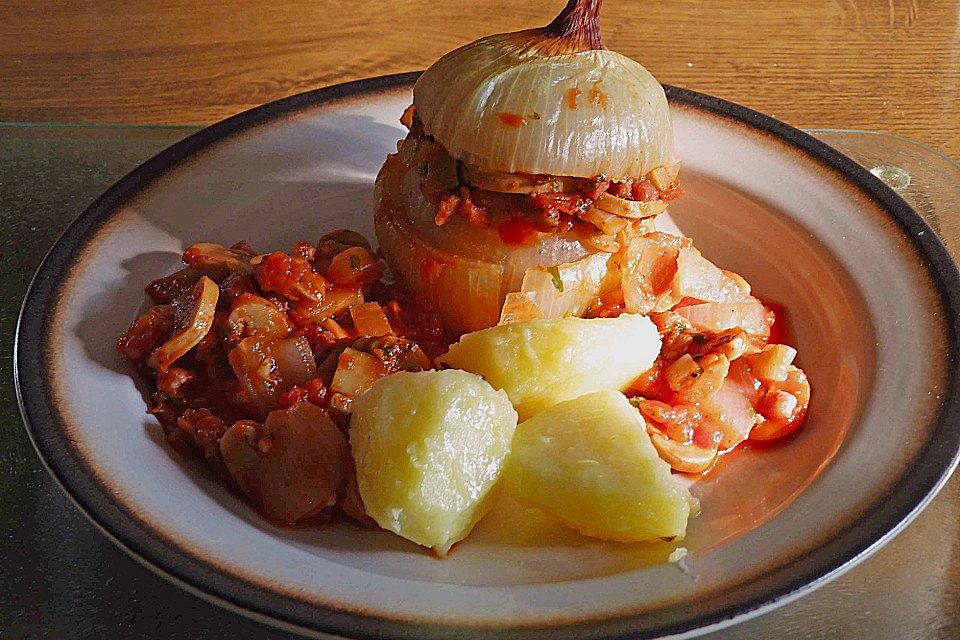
{"x": 590, "y": 462}
{"x": 255, "y": 360}
{"x": 291, "y": 465}
{"x": 520, "y": 275}
{"x": 542, "y": 362}
{"x": 429, "y": 449}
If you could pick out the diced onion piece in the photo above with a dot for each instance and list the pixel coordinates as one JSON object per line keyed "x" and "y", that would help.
{"x": 356, "y": 371}
{"x": 686, "y": 458}
{"x": 370, "y": 321}
{"x": 520, "y": 307}
{"x": 773, "y": 362}
{"x": 335, "y": 301}
{"x": 629, "y": 208}
{"x": 738, "y": 280}
{"x": 696, "y": 380}
{"x": 716, "y": 316}
{"x": 569, "y": 289}
{"x": 781, "y": 415}
{"x": 647, "y": 270}
{"x": 730, "y": 344}
{"x": 664, "y": 178}
{"x": 295, "y": 362}
{"x": 778, "y": 405}
{"x": 600, "y": 241}
{"x": 700, "y": 279}
{"x": 680, "y": 371}
{"x": 334, "y": 327}
{"x": 340, "y": 402}
{"x": 732, "y": 406}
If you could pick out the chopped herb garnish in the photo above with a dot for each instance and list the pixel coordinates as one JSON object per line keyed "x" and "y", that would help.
{"x": 557, "y": 281}
{"x": 354, "y": 262}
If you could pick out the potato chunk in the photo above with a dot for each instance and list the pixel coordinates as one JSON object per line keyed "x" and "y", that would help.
{"x": 590, "y": 462}
{"x": 542, "y": 362}
{"x": 429, "y": 448}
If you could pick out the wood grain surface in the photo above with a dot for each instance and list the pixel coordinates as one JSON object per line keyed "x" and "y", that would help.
{"x": 890, "y": 65}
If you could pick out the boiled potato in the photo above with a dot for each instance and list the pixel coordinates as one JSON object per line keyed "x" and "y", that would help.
{"x": 542, "y": 362}
{"x": 429, "y": 448}
{"x": 589, "y": 462}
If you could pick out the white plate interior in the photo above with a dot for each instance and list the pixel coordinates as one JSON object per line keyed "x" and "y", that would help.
{"x": 852, "y": 285}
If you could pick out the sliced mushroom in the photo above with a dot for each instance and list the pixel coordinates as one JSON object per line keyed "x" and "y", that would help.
{"x": 687, "y": 458}
{"x": 204, "y": 431}
{"x": 345, "y": 238}
{"x": 350, "y": 501}
{"x": 217, "y": 261}
{"x": 290, "y": 276}
{"x": 252, "y": 315}
{"x": 192, "y": 319}
{"x": 268, "y": 368}
{"x": 146, "y": 332}
{"x": 629, "y": 208}
{"x": 292, "y": 465}
{"x": 334, "y": 243}
{"x": 167, "y": 289}
{"x": 356, "y": 371}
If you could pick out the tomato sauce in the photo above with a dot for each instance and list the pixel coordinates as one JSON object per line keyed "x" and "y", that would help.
{"x": 779, "y": 331}
{"x": 512, "y": 120}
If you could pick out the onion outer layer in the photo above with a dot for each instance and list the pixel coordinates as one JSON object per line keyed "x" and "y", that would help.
{"x": 503, "y": 104}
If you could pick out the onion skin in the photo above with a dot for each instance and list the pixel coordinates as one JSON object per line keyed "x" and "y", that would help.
{"x": 503, "y": 103}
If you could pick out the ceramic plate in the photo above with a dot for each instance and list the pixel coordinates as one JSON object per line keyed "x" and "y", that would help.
{"x": 872, "y": 301}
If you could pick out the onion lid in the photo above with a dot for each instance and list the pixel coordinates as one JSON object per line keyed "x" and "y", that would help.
{"x": 548, "y": 101}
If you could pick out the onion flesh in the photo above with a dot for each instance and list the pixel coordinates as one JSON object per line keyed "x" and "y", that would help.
{"x": 715, "y": 316}
{"x": 629, "y": 208}
{"x": 569, "y": 289}
{"x": 773, "y": 362}
{"x": 465, "y": 273}
{"x": 700, "y": 279}
{"x": 647, "y": 272}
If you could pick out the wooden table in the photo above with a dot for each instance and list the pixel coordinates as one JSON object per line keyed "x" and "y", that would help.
{"x": 886, "y": 65}
{"x": 892, "y": 65}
